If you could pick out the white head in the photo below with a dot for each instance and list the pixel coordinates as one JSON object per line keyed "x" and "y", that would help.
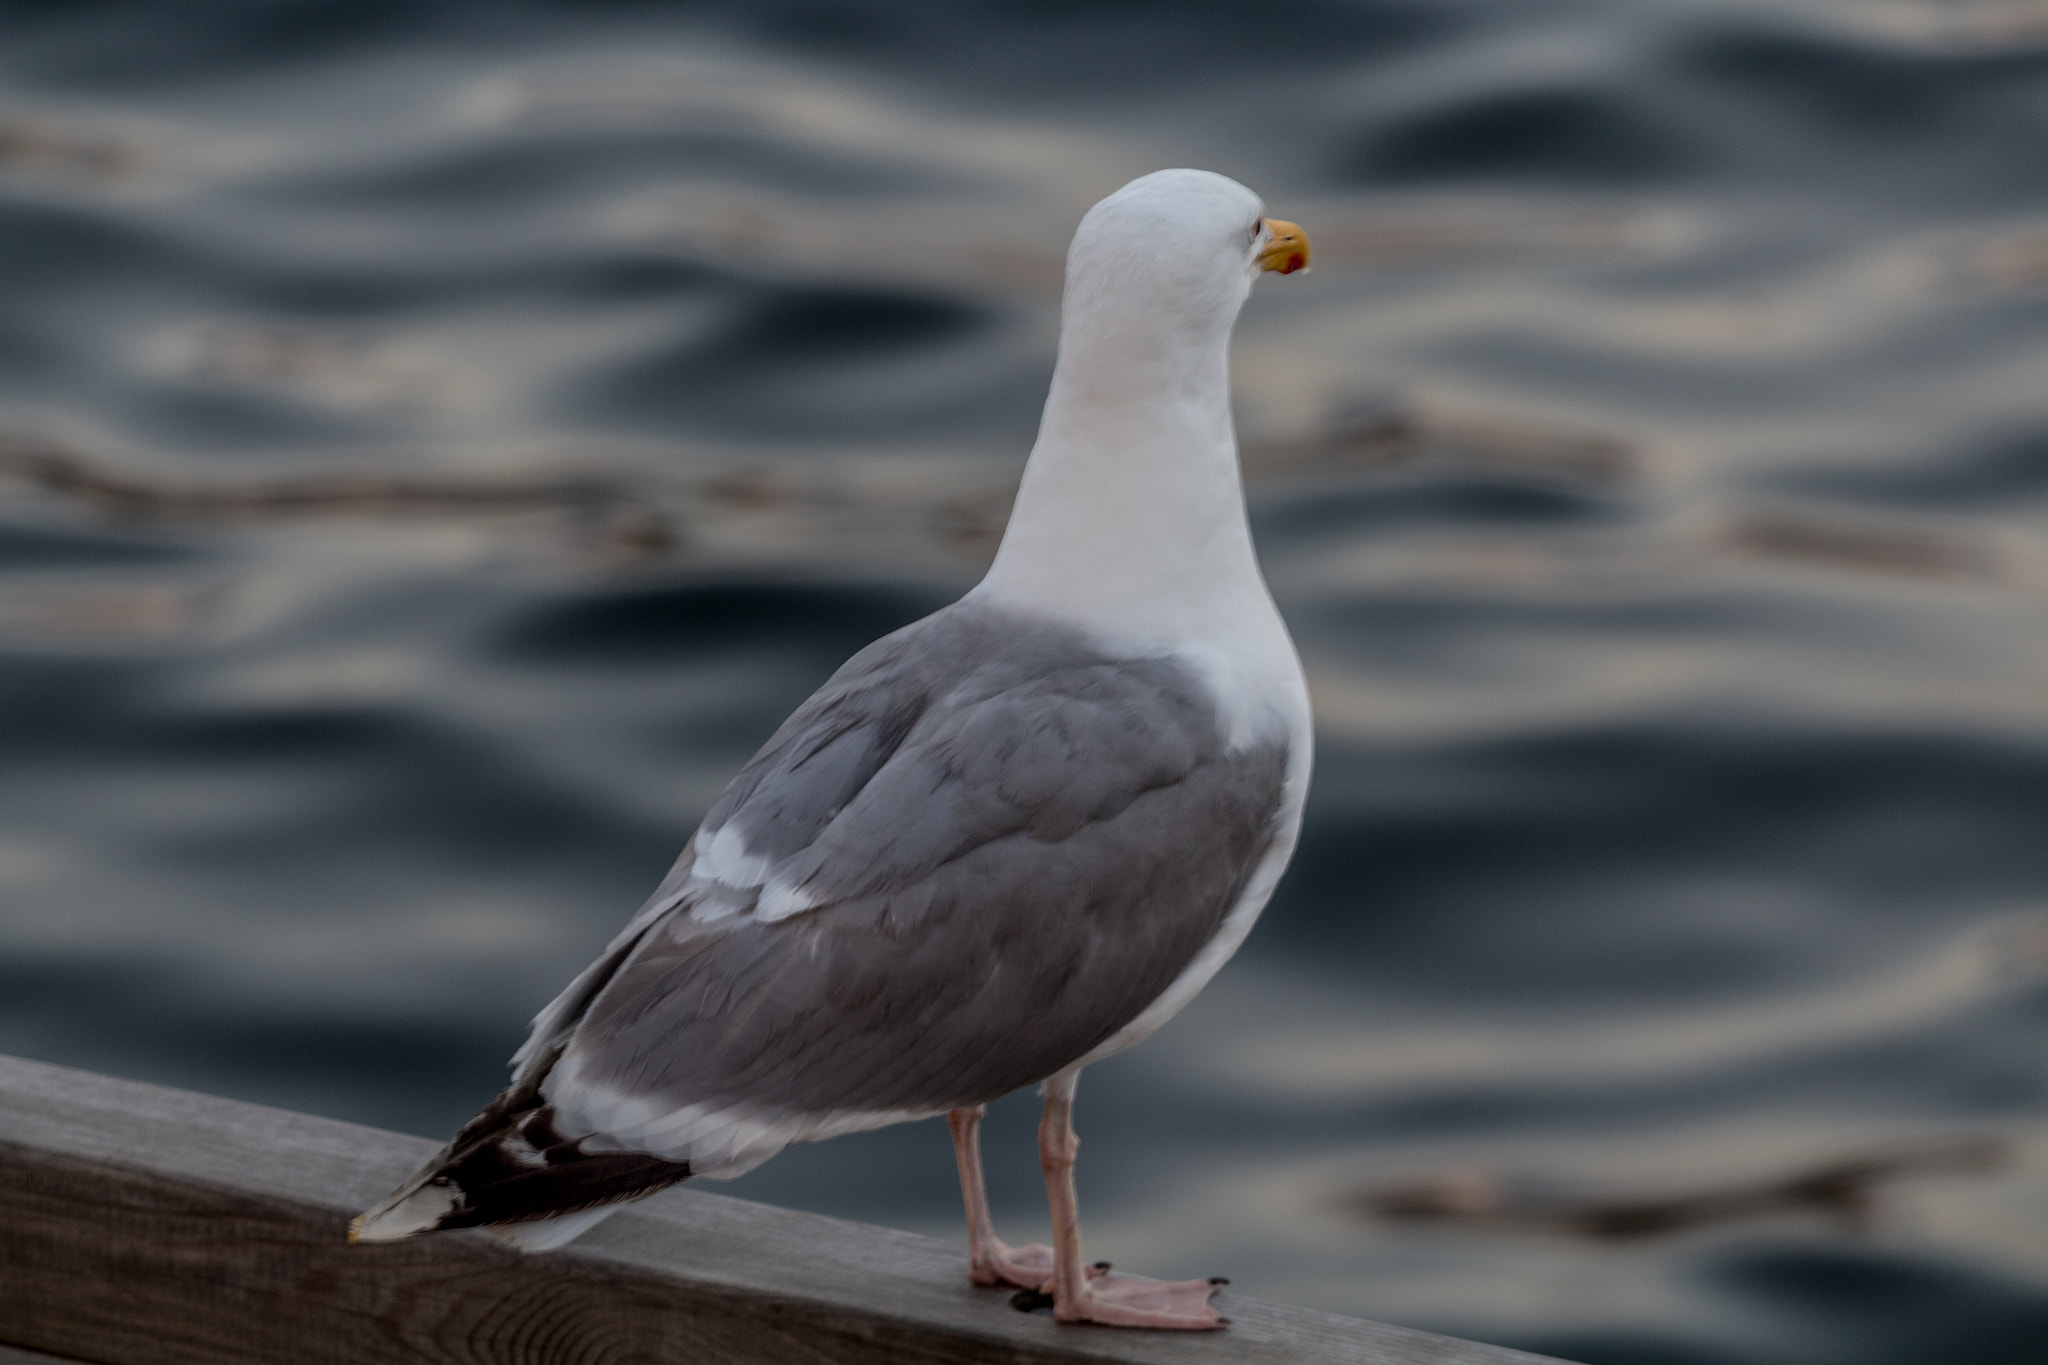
{"x": 1159, "y": 270}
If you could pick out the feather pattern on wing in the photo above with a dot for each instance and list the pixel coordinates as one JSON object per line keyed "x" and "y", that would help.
{"x": 977, "y": 852}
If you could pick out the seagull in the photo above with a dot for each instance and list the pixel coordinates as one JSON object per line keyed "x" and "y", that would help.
{"x": 998, "y": 845}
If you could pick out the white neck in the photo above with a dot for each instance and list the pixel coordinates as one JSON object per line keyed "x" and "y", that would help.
{"x": 1131, "y": 518}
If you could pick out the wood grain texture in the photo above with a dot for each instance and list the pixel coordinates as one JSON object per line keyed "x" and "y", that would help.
{"x": 145, "y": 1226}
{"x": 13, "y": 1355}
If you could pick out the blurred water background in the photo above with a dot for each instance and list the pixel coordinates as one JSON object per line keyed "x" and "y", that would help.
{"x": 438, "y": 442}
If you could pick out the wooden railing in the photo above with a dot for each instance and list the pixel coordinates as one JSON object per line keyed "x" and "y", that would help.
{"x": 146, "y": 1226}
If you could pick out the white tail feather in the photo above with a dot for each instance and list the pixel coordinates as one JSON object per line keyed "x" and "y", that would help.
{"x": 545, "y": 1234}
{"x": 417, "y": 1209}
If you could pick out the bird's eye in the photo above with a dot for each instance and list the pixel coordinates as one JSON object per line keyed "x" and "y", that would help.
{"x": 1253, "y": 236}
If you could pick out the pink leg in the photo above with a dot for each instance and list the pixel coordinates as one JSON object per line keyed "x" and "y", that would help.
{"x": 1091, "y": 1293}
{"x": 989, "y": 1262}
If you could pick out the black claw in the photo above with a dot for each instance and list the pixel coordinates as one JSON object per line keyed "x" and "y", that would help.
{"x": 1223, "y": 1322}
{"x": 1100, "y": 1265}
{"x": 1030, "y": 1300}
{"x": 1218, "y": 1279}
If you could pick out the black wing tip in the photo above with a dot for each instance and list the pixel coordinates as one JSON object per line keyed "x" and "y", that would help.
{"x": 514, "y": 1167}
{"x": 572, "y": 1185}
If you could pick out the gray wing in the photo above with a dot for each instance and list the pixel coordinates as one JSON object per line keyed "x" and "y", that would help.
{"x": 979, "y": 851}
{"x": 976, "y": 854}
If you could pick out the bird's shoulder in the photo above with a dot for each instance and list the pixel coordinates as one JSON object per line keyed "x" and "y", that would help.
{"x": 968, "y": 726}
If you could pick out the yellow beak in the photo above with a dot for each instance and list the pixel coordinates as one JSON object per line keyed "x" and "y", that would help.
{"x": 1286, "y": 248}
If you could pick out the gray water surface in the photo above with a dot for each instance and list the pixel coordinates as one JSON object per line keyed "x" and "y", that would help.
{"x": 1654, "y": 471}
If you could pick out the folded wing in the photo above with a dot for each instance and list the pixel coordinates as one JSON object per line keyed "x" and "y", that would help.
{"x": 978, "y": 852}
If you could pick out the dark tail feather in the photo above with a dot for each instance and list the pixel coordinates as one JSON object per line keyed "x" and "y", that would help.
{"x": 511, "y": 1165}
